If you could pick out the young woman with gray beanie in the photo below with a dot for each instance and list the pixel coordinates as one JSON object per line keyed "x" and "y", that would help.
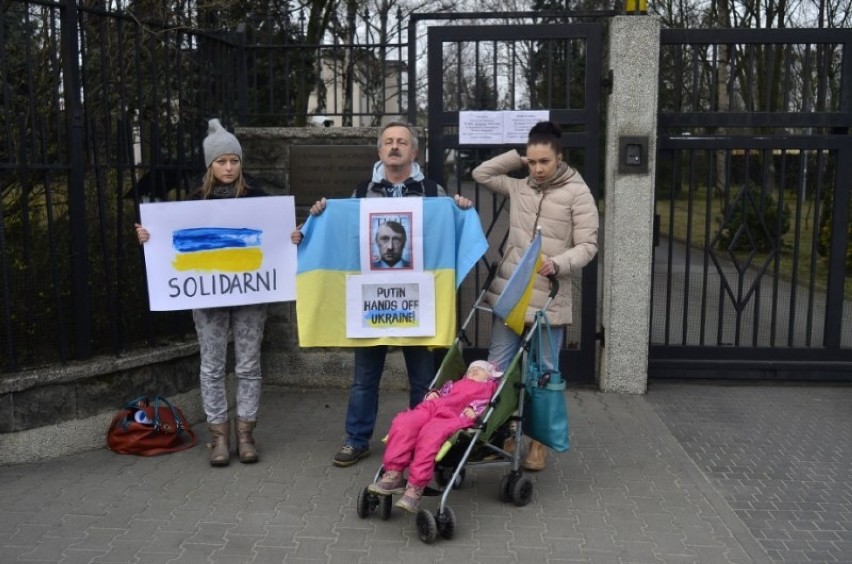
{"x": 224, "y": 178}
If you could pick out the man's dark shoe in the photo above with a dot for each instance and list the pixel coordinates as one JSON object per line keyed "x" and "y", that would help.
{"x": 349, "y": 455}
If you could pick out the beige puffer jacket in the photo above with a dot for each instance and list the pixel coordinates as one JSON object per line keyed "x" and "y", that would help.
{"x": 566, "y": 212}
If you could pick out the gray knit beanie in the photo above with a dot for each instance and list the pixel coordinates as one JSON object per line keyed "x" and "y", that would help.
{"x": 220, "y": 142}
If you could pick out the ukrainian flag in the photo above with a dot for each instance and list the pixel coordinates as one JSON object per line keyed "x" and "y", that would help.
{"x": 217, "y": 249}
{"x": 512, "y": 304}
{"x": 330, "y": 251}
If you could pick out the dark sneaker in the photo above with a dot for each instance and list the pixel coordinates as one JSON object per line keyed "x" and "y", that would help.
{"x": 391, "y": 483}
{"x": 349, "y": 455}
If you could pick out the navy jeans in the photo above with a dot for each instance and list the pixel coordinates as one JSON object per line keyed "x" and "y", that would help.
{"x": 364, "y": 392}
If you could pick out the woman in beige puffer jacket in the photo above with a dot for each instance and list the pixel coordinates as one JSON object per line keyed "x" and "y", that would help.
{"x": 555, "y": 198}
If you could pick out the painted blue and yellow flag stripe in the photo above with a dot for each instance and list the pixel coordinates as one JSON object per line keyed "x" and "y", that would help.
{"x": 512, "y": 304}
{"x": 330, "y": 251}
{"x": 217, "y": 249}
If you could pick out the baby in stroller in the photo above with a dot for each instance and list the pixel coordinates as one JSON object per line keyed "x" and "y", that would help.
{"x": 416, "y": 435}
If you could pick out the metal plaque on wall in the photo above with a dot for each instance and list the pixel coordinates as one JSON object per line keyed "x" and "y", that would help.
{"x": 330, "y": 171}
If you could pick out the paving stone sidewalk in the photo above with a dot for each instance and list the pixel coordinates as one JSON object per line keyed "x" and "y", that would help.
{"x": 779, "y": 455}
{"x": 688, "y": 473}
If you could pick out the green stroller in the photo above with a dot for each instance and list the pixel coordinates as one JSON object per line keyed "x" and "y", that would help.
{"x": 480, "y": 445}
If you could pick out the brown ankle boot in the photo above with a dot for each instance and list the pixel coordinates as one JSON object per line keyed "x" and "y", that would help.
{"x": 536, "y": 457}
{"x": 245, "y": 441}
{"x": 220, "y": 446}
{"x": 509, "y": 445}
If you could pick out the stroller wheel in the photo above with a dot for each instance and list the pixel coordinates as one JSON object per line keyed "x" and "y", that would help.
{"x": 522, "y": 491}
{"x": 363, "y": 507}
{"x": 507, "y": 484}
{"x": 446, "y": 521}
{"x": 386, "y": 507}
{"x": 427, "y": 527}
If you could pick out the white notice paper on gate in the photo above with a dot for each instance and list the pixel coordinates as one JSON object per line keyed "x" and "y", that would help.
{"x": 498, "y": 128}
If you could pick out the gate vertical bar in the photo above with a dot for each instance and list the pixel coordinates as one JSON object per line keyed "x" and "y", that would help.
{"x": 412, "y": 68}
{"x": 5, "y": 287}
{"x": 242, "y": 80}
{"x": 838, "y": 249}
{"x": 591, "y": 173}
{"x": 76, "y": 179}
{"x": 434, "y": 68}
{"x": 840, "y": 214}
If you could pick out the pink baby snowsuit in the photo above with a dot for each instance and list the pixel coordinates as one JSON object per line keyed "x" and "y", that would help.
{"x": 416, "y": 435}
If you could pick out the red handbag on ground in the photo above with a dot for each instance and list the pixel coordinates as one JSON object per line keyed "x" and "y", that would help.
{"x": 148, "y": 427}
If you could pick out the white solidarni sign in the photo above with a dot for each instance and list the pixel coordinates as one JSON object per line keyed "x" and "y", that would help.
{"x": 217, "y": 253}
{"x": 396, "y": 304}
{"x": 498, "y": 128}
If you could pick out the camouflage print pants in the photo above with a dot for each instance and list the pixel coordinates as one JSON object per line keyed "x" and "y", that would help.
{"x": 212, "y": 325}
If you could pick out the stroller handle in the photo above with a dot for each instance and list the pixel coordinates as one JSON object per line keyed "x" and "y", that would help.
{"x": 554, "y": 286}
{"x": 492, "y": 272}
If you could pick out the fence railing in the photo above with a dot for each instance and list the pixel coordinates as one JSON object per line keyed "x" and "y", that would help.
{"x": 101, "y": 111}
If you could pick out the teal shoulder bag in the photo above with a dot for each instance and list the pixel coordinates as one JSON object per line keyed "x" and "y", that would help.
{"x": 545, "y": 412}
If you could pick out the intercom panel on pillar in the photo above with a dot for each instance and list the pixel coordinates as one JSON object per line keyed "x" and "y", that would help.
{"x": 633, "y": 155}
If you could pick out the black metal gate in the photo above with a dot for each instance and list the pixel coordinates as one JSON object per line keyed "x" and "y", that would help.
{"x": 750, "y": 277}
{"x": 552, "y": 67}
